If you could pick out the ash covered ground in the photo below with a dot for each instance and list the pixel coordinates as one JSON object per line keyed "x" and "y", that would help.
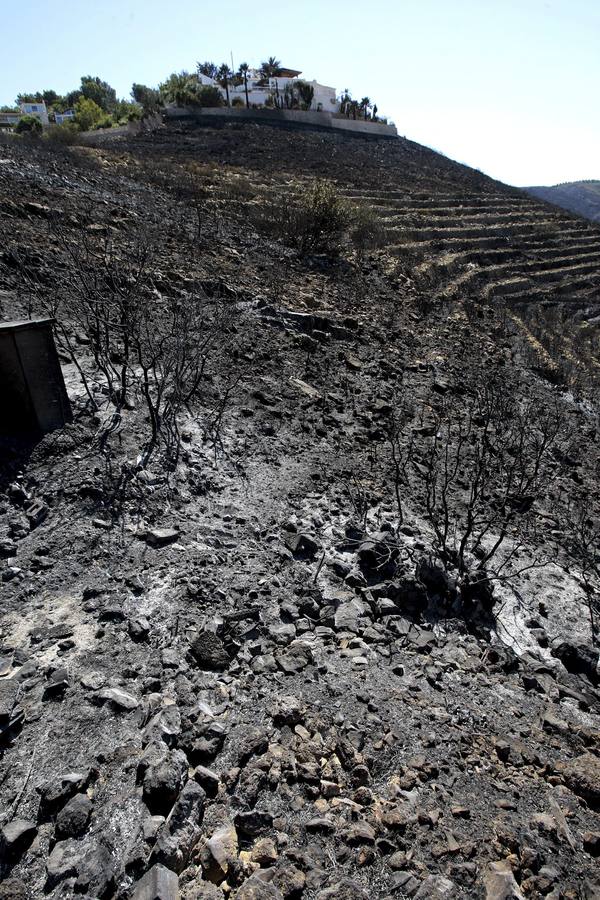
{"x": 234, "y": 660}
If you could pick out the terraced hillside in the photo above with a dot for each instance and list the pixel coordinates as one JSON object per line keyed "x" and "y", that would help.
{"x": 456, "y": 233}
{"x": 491, "y": 245}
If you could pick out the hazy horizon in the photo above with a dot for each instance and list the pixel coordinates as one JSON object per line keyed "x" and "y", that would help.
{"x": 508, "y": 90}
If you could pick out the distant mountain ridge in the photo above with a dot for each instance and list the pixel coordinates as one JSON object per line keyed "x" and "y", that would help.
{"x": 581, "y": 197}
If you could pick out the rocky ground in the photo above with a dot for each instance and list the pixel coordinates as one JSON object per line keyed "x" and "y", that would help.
{"x": 242, "y": 676}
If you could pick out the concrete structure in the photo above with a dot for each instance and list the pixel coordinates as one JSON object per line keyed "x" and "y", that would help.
{"x": 67, "y": 116}
{"x": 34, "y": 397}
{"x": 277, "y": 90}
{"x": 294, "y": 118}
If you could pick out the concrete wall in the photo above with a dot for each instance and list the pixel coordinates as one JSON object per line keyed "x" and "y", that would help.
{"x": 285, "y": 117}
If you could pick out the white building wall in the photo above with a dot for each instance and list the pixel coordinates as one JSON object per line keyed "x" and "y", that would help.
{"x": 258, "y": 95}
{"x": 35, "y": 109}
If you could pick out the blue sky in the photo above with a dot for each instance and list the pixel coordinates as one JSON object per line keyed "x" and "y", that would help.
{"x": 509, "y": 86}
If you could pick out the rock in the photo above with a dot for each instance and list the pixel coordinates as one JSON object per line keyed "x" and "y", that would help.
{"x": 303, "y": 546}
{"x": 165, "y": 726}
{"x": 264, "y": 852}
{"x": 320, "y": 825}
{"x": 138, "y": 629}
{"x": 208, "y": 780}
{"x": 208, "y": 652}
{"x": 219, "y": 853}
{"x": 360, "y": 833}
{"x": 582, "y": 776}
{"x": 591, "y": 842}
{"x": 296, "y": 658}
{"x": 579, "y": 659}
{"x": 96, "y": 872}
{"x": 289, "y": 880}
{"x": 436, "y": 887}
{"x": 160, "y": 537}
{"x": 119, "y": 698}
{"x": 73, "y": 818}
{"x": 181, "y": 830}
{"x": 163, "y": 781}
{"x": 202, "y": 742}
{"x": 255, "y": 889}
{"x": 55, "y": 792}
{"x": 201, "y": 890}
{"x": 112, "y": 612}
{"x": 159, "y": 883}
{"x": 9, "y": 691}
{"x": 251, "y": 742}
{"x": 57, "y": 684}
{"x": 8, "y": 548}
{"x": 63, "y": 862}
{"x": 151, "y": 827}
{"x": 13, "y": 889}
{"x": 254, "y": 822}
{"x": 500, "y": 883}
{"x": 394, "y": 819}
{"x": 404, "y": 881}
{"x": 344, "y": 889}
{"x": 348, "y": 614}
{"x": 15, "y": 838}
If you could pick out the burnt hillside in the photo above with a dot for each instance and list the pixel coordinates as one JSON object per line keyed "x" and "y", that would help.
{"x": 303, "y": 604}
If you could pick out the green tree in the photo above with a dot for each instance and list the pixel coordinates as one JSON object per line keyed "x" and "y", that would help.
{"x": 243, "y": 73}
{"x": 364, "y": 105}
{"x": 93, "y": 88}
{"x": 88, "y": 114}
{"x": 180, "y": 88}
{"x": 224, "y": 76}
{"x": 210, "y": 96}
{"x": 270, "y": 68}
{"x": 28, "y": 125}
{"x": 51, "y": 98}
{"x": 147, "y": 97}
{"x": 307, "y": 93}
{"x": 29, "y": 98}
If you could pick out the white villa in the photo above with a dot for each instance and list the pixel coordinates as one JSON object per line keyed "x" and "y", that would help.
{"x": 263, "y": 91}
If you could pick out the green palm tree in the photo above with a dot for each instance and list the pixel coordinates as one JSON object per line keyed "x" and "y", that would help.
{"x": 180, "y": 88}
{"x": 243, "y": 73}
{"x": 270, "y": 68}
{"x": 374, "y": 116}
{"x": 224, "y": 76}
{"x": 364, "y": 106}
